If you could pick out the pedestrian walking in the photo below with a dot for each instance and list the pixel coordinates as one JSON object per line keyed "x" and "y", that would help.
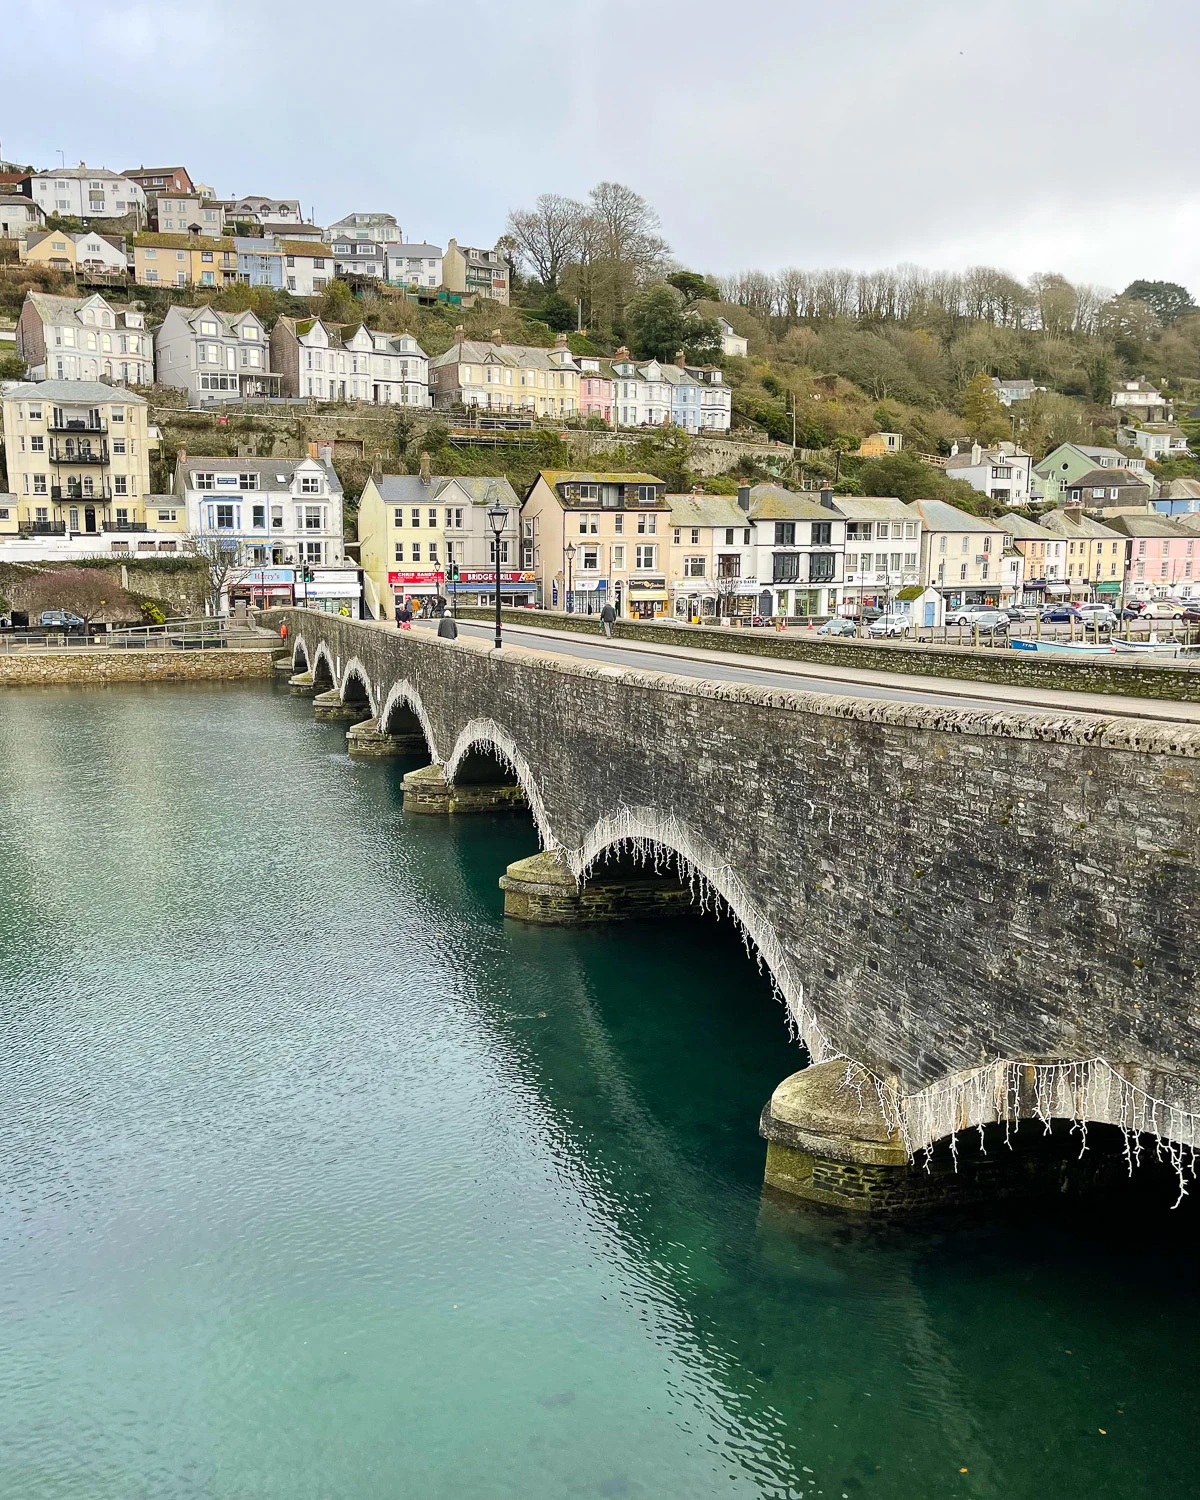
{"x": 448, "y": 628}
{"x": 607, "y": 616}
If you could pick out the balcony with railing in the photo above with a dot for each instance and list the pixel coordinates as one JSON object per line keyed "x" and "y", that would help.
{"x": 80, "y": 490}
{"x": 78, "y": 450}
{"x": 60, "y": 422}
{"x": 123, "y": 526}
{"x": 41, "y": 528}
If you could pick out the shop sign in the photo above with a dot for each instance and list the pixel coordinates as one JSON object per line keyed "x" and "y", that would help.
{"x": 269, "y": 577}
{"x": 648, "y": 586}
{"x": 402, "y": 580}
{"x": 484, "y": 576}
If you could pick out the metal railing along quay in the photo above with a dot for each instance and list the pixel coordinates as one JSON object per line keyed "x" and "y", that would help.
{"x": 199, "y": 634}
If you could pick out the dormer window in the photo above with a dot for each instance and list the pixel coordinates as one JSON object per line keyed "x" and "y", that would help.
{"x": 249, "y": 330}
{"x": 208, "y": 328}
{"x": 587, "y": 491}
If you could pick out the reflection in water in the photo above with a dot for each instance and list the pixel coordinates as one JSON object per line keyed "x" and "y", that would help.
{"x": 318, "y": 1178}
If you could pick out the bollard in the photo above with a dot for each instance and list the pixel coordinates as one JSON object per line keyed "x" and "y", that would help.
{"x": 975, "y": 635}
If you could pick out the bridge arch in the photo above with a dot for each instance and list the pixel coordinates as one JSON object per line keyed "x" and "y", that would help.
{"x": 355, "y": 688}
{"x": 401, "y": 708}
{"x": 660, "y": 838}
{"x": 299, "y": 655}
{"x": 324, "y": 672}
{"x": 485, "y": 736}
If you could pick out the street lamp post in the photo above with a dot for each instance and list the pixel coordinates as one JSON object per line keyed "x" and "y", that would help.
{"x": 497, "y": 519}
{"x": 570, "y": 555}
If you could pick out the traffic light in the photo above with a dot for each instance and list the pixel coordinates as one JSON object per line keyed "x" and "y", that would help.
{"x": 453, "y": 572}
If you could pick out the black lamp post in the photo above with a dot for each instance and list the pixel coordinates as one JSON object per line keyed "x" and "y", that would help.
{"x": 570, "y": 585}
{"x": 497, "y": 519}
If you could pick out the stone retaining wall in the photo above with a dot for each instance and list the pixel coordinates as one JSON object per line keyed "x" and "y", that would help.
{"x": 87, "y": 667}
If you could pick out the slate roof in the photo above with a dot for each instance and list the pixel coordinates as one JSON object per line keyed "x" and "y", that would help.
{"x": 1120, "y": 478}
{"x": 771, "y": 502}
{"x": 1024, "y": 529}
{"x": 937, "y": 515}
{"x": 1074, "y": 525}
{"x": 518, "y": 356}
{"x": 74, "y": 392}
{"x": 706, "y": 510}
{"x": 304, "y": 247}
{"x": 275, "y": 474}
{"x": 872, "y": 508}
{"x": 1150, "y": 524}
{"x": 411, "y": 489}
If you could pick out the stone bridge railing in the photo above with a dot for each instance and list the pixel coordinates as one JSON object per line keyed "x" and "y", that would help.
{"x": 971, "y": 916}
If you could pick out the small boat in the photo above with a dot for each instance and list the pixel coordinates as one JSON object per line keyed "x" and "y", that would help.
{"x": 1065, "y": 648}
{"x": 1151, "y": 647}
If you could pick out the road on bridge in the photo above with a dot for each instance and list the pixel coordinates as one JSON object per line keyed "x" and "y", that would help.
{"x": 816, "y": 677}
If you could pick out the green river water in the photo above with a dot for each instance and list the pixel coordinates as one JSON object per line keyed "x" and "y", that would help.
{"x": 318, "y": 1179}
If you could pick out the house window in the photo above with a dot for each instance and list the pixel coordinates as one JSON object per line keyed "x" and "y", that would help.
{"x": 962, "y": 572}
{"x": 416, "y": 552}
{"x": 167, "y": 517}
{"x": 619, "y": 524}
{"x": 589, "y": 559}
{"x": 258, "y": 516}
{"x": 695, "y": 536}
{"x": 618, "y": 557}
{"x": 821, "y": 566}
{"x": 416, "y": 516}
{"x": 693, "y": 567}
{"x": 647, "y": 525}
{"x": 786, "y": 566}
{"x": 492, "y": 552}
{"x": 39, "y": 484}
{"x": 37, "y": 444}
{"x": 203, "y": 481}
{"x": 822, "y": 534}
{"x": 248, "y": 481}
{"x": 398, "y": 516}
{"x": 312, "y": 518}
{"x": 399, "y": 552}
{"x": 645, "y": 492}
{"x": 644, "y": 557}
{"x": 310, "y": 484}
{"x": 120, "y": 484}
{"x": 224, "y": 515}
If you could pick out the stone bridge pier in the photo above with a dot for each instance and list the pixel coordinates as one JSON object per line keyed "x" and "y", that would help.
{"x": 981, "y": 925}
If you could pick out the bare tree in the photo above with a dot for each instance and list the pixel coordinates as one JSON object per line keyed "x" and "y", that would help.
{"x": 86, "y": 592}
{"x": 546, "y": 237}
{"x": 222, "y": 558}
{"x": 622, "y": 246}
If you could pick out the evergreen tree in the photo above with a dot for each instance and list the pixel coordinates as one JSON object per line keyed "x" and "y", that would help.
{"x": 982, "y": 411}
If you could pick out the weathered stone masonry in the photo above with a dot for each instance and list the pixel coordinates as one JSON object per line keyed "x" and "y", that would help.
{"x": 936, "y": 891}
{"x": 81, "y": 668}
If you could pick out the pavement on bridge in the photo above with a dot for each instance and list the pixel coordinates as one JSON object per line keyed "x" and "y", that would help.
{"x": 816, "y": 677}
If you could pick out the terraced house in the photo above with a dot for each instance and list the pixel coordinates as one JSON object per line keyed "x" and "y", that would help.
{"x": 214, "y": 356}
{"x": 597, "y": 538}
{"x": 506, "y": 377}
{"x": 84, "y": 338}
{"x": 184, "y": 260}
{"x": 332, "y": 362}
{"x": 281, "y": 511}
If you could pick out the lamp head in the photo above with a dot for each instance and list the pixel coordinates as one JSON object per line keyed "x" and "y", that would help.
{"x": 570, "y": 550}
{"x": 497, "y": 519}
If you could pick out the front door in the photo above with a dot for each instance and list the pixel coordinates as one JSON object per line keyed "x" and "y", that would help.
{"x": 89, "y": 518}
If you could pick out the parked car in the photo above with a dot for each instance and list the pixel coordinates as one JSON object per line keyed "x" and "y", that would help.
{"x": 1098, "y": 614}
{"x": 1163, "y": 609}
{"x": 1023, "y": 611}
{"x": 890, "y": 625}
{"x": 838, "y": 625}
{"x": 60, "y": 619}
{"x": 1191, "y": 615}
{"x": 1060, "y": 614}
{"x": 982, "y": 615}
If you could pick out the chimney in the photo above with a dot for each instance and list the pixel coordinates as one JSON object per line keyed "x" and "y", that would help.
{"x": 622, "y": 353}
{"x": 560, "y": 342}
{"x": 325, "y": 453}
{"x": 744, "y": 497}
{"x": 679, "y": 358}
{"x": 827, "y": 499}
{"x": 181, "y": 454}
{"x": 976, "y": 455}
{"x": 497, "y": 336}
{"x": 459, "y": 333}
{"x": 377, "y": 467}
{"x": 426, "y": 475}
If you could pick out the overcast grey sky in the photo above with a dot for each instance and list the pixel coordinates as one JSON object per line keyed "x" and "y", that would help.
{"x": 1036, "y": 135}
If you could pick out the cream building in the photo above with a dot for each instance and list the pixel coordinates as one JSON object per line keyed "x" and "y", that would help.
{"x": 506, "y": 377}
{"x": 78, "y": 457}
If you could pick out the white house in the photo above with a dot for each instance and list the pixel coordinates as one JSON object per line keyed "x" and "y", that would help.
{"x": 183, "y": 213}
{"x": 1141, "y": 399}
{"x": 19, "y": 216}
{"x": 380, "y": 229}
{"x": 732, "y": 343}
{"x": 278, "y": 511}
{"x": 1157, "y": 442}
{"x": 1008, "y": 391}
{"x": 87, "y": 193}
{"x": 883, "y": 551}
{"x": 1004, "y": 473}
{"x": 83, "y": 338}
{"x": 322, "y": 360}
{"x": 414, "y": 266}
{"x": 307, "y": 266}
{"x": 800, "y": 550}
{"x": 214, "y": 356}
{"x": 711, "y": 569}
{"x": 641, "y": 393}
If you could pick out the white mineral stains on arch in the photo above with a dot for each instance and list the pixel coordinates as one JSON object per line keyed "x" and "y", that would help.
{"x": 404, "y": 692}
{"x": 487, "y": 734}
{"x": 300, "y": 649}
{"x": 355, "y": 668}
{"x": 322, "y": 654}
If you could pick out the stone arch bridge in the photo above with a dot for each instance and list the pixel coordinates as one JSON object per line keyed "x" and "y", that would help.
{"x": 974, "y": 918}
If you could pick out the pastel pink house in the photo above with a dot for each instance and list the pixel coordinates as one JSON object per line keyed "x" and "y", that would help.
{"x": 595, "y": 391}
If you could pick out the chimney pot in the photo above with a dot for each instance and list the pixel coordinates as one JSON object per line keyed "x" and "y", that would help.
{"x": 744, "y": 497}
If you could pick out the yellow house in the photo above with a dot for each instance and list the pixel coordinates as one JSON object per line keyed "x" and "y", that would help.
{"x": 506, "y": 377}
{"x": 413, "y": 528}
{"x": 78, "y": 456}
{"x": 183, "y": 260}
{"x": 1094, "y": 554}
{"x": 880, "y": 444}
{"x": 96, "y": 255}
{"x": 593, "y": 539}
